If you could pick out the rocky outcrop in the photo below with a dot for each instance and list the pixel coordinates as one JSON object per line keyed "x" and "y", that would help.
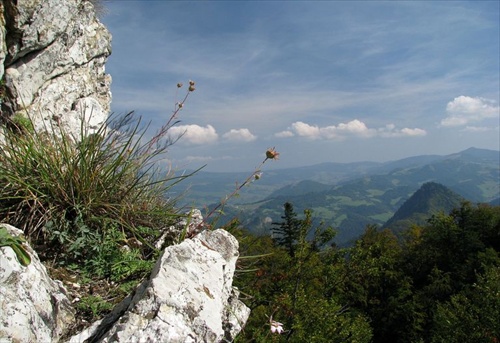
{"x": 188, "y": 298}
{"x": 188, "y": 226}
{"x": 52, "y": 55}
{"x": 33, "y": 307}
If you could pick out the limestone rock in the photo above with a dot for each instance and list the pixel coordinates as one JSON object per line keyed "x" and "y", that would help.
{"x": 189, "y": 226}
{"x": 33, "y": 307}
{"x": 188, "y": 298}
{"x": 54, "y": 63}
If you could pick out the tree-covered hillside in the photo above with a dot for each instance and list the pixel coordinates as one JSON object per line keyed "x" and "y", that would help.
{"x": 439, "y": 283}
{"x": 428, "y": 200}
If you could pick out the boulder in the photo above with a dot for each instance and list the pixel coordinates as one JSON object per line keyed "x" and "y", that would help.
{"x": 188, "y": 298}
{"x": 33, "y": 307}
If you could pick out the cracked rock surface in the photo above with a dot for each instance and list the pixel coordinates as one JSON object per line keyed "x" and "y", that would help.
{"x": 52, "y": 63}
{"x": 188, "y": 298}
{"x": 33, "y": 307}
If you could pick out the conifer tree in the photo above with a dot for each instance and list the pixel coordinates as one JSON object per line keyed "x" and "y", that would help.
{"x": 287, "y": 232}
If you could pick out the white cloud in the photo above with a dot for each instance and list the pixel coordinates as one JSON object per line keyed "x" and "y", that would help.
{"x": 354, "y": 128}
{"x": 464, "y": 109}
{"x": 306, "y": 130}
{"x": 284, "y": 134}
{"x": 479, "y": 128}
{"x": 413, "y": 132}
{"x": 239, "y": 135}
{"x": 195, "y": 134}
{"x": 390, "y": 130}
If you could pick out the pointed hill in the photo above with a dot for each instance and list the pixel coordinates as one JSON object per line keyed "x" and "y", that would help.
{"x": 428, "y": 200}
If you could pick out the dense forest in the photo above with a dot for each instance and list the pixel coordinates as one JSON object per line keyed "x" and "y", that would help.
{"x": 437, "y": 282}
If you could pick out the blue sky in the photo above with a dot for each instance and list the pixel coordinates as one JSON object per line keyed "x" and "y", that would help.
{"x": 322, "y": 81}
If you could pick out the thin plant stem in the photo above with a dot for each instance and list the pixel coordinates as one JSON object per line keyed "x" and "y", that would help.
{"x": 271, "y": 154}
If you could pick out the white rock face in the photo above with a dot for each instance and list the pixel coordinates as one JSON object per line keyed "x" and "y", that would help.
{"x": 53, "y": 65}
{"x": 33, "y": 307}
{"x": 188, "y": 298}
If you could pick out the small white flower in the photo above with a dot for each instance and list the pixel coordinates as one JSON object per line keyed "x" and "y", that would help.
{"x": 276, "y": 327}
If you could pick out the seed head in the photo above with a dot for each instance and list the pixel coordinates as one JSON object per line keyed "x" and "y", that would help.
{"x": 191, "y": 85}
{"x": 272, "y": 154}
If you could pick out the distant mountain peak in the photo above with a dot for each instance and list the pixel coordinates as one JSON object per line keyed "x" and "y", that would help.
{"x": 429, "y": 199}
{"x": 473, "y": 154}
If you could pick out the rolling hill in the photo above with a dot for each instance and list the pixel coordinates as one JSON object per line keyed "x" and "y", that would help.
{"x": 371, "y": 194}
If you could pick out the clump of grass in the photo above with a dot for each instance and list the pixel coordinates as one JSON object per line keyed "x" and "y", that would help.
{"x": 70, "y": 194}
{"x": 92, "y": 205}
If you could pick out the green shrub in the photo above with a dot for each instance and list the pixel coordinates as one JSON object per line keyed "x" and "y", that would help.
{"x": 93, "y": 307}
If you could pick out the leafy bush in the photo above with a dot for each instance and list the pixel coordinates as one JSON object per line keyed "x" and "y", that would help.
{"x": 93, "y": 307}
{"x": 473, "y": 314}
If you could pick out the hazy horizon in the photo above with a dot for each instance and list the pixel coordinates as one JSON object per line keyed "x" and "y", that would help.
{"x": 276, "y": 166}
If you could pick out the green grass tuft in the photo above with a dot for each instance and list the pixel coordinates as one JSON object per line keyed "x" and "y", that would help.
{"x": 95, "y": 205}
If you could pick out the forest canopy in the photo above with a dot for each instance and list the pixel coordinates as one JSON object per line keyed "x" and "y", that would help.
{"x": 438, "y": 282}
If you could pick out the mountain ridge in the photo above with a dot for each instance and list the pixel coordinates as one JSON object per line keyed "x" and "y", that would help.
{"x": 209, "y": 187}
{"x": 353, "y": 203}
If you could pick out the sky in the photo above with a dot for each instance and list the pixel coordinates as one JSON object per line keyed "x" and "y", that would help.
{"x": 321, "y": 81}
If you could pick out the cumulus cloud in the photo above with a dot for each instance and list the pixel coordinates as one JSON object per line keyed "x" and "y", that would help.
{"x": 195, "y": 134}
{"x": 390, "y": 130}
{"x": 239, "y": 135}
{"x": 464, "y": 110}
{"x": 306, "y": 130}
{"x": 284, "y": 134}
{"x": 413, "y": 132}
{"x": 353, "y": 128}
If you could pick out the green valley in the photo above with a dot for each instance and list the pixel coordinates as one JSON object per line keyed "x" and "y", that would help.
{"x": 350, "y": 196}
